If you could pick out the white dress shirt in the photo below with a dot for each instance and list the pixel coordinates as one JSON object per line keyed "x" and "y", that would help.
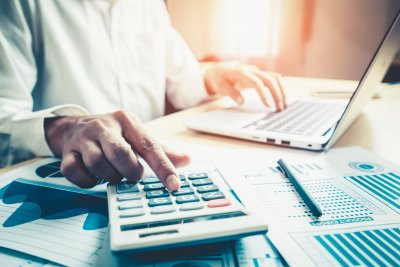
{"x": 67, "y": 57}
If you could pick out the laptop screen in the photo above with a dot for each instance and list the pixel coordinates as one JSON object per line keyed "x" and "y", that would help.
{"x": 371, "y": 78}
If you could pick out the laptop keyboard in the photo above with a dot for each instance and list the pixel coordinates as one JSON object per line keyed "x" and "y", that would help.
{"x": 300, "y": 118}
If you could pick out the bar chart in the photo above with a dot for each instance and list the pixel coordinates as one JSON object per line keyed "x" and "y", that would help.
{"x": 379, "y": 247}
{"x": 385, "y": 187}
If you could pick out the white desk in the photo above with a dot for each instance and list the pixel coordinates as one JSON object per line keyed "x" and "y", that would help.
{"x": 376, "y": 129}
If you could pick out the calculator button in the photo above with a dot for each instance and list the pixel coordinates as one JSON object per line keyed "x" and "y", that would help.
{"x": 162, "y": 209}
{"x": 207, "y": 188}
{"x": 124, "y": 187}
{"x": 216, "y": 203}
{"x": 157, "y": 193}
{"x": 182, "y": 177}
{"x": 160, "y": 201}
{"x": 187, "y": 198}
{"x": 157, "y": 186}
{"x": 213, "y": 195}
{"x": 149, "y": 180}
{"x": 191, "y": 206}
{"x": 200, "y": 182}
{"x": 131, "y": 213}
{"x": 185, "y": 184}
{"x": 129, "y": 196}
{"x": 198, "y": 175}
{"x": 183, "y": 191}
{"x": 133, "y": 204}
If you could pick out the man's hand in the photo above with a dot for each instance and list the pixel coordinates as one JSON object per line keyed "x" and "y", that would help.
{"x": 229, "y": 78}
{"x": 107, "y": 147}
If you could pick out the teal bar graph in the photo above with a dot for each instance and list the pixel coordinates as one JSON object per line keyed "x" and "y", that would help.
{"x": 385, "y": 187}
{"x": 379, "y": 247}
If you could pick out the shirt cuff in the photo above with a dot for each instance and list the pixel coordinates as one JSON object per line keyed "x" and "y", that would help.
{"x": 190, "y": 92}
{"x": 28, "y": 128}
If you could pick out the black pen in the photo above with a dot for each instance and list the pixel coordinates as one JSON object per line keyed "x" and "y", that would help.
{"x": 310, "y": 202}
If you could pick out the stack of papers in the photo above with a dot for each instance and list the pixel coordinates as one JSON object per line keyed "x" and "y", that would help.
{"x": 42, "y": 214}
{"x": 359, "y": 195}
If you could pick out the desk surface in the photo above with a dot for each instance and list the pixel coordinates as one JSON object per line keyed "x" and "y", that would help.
{"x": 375, "y": 130}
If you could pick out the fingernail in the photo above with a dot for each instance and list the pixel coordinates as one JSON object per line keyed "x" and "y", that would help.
{"x": 173, "y": 182}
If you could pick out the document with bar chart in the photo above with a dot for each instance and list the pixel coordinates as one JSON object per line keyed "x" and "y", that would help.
{"x": 359, "y": 195}
{"x": 44, "y": 215}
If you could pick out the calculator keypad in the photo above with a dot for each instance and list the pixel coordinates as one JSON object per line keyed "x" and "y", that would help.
{"x": 197, "y": 192}
{"x": 157, "y": 193}
{"x": 163, "y": 209}
{"x": 155, "y": 186}
{"x": 191, "y": 206}
{"x": 129, "y": 196}
{"x": 160, "y": 201}
{"x": 187, "y": 198}
{"x": 131, "y": 213}
{"x": 183, "y": 191}
{"x": 216, "y": 203}
{"x": 133, "y": 204}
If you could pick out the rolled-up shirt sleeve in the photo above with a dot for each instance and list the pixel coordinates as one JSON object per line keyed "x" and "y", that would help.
{"x": 21, "y": 129}
{"x": 27, "y": 128}
{"x": 185, "y": 78}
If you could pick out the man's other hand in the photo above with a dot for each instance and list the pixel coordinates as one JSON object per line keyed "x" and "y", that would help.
{"x": 107, "y": 147}
{"x": 230, "y": 78}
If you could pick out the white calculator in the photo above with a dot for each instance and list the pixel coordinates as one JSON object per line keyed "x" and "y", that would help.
{"x": 145, "y": 216}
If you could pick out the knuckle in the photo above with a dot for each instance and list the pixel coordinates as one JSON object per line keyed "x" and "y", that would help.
{"x": 161, "y": 165}
{"x": 66, "y": 168}
{"x": 97, "y": 125}
{"x": 119, "y": 114}
{"x": 149, "y": 145}
{"x": 94, "y": 160}
{"x": 123, "y": 115}
{"x": 119, "y": 150}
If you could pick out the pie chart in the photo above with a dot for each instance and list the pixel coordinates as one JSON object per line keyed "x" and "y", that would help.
{"x": 50, "y": 170}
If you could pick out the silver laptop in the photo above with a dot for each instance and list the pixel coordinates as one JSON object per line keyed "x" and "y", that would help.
{"x": 310, "y": 124}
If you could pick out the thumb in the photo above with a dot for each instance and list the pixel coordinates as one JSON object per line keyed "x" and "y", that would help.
{"x": 178, "y": 159}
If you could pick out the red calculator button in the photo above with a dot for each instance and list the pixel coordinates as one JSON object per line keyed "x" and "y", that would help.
{"x": 219, "y": 203}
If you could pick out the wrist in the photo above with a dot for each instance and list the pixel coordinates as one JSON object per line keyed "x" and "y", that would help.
{"x": 56, "y": 129}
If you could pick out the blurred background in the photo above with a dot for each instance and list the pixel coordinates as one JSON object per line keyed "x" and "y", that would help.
{"x": 312, "y": 38}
